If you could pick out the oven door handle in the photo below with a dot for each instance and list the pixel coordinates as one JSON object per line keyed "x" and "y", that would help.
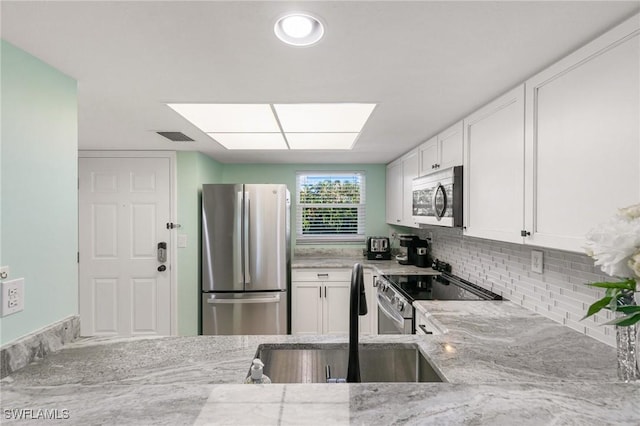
{"x": 383, "y": 307}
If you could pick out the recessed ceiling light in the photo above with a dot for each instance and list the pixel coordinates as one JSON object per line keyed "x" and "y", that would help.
{"x": 299, "y": 29}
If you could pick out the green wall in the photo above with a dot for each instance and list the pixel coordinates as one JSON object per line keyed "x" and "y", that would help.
{"x": 195, "y": 169}
{"x": 39, "y": 219}
{"x": 286, "y": 174}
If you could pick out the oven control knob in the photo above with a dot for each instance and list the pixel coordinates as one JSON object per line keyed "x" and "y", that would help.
{"x": 401, "y": 306}
{"x": 394, "y": 299}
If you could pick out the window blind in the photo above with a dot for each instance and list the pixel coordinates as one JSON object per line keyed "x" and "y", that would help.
{"x": 330, "y": 207}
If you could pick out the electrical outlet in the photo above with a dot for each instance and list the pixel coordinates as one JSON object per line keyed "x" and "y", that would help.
{"x": 12, "y": 296}
{"x": 536, "y": 261}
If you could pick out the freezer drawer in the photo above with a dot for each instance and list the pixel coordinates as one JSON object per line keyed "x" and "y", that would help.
{"x": 244, "y": 313}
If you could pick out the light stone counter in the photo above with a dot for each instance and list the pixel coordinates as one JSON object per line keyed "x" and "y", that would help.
{"x": 505, "y": 365}
{"x": 388, "y": 267}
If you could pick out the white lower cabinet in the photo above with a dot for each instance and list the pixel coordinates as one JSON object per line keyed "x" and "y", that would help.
{"x": 320, "y": 302}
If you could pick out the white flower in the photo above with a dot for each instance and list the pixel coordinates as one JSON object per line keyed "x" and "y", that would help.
{"x": 631, "y": 212}
{"x": 634, "y": 263}
{"x": 615, "y": 244}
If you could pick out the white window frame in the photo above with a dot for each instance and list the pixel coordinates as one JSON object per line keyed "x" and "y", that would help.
{"x": 332, "y": 238}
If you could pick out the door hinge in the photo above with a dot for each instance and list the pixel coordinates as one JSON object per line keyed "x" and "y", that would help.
{"x": 525, "y": 233}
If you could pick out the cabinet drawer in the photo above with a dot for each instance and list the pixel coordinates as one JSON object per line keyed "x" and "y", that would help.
{"x": 321, "y": 275}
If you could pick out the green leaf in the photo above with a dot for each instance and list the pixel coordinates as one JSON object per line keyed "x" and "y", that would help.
{"x": 629, "y": 284}
{"x": 597, "y": 306}
{"x": 628, "y": 309}
{"x": 625, "y": 321}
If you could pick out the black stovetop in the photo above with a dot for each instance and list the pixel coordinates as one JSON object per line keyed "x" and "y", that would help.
{"x": 441, "y": 287}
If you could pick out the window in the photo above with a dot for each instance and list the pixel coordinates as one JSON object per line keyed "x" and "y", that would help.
{"x": 331, "y": 207}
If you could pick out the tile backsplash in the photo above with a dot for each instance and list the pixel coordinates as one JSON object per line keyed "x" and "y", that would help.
{"x": 558, "y": 293}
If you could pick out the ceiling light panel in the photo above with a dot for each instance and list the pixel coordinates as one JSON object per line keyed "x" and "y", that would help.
{"x": 332, "y": 118}
{"x": 321, "y": 141}
{"x": 233, "y": 118}
{"x": 257, "y": 141}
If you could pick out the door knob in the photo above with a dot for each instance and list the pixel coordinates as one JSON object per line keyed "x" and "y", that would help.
{"x": 162, "y": 268}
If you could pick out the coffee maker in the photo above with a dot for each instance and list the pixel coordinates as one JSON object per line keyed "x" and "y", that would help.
{"x": 415, "y": 252}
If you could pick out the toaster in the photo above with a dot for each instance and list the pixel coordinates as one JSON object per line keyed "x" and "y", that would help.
{"x": 378, "y": 248}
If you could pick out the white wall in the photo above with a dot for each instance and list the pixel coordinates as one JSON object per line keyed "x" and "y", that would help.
{"x": 39, "y": 207}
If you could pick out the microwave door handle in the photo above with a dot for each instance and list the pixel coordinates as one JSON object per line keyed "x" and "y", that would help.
{"x": 439, "y": 188}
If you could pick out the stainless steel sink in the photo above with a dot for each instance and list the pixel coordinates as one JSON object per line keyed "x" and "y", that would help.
{"x": 307, "y": 363}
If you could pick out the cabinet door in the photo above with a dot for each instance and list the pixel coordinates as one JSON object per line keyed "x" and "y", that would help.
{"x": 306, "y": 308}
{"x": 335, "y": 313}
{"x": 582, "y": 139}
{"x": 450, "y": 143}
{"x": 369, "y": 322}
{"x": 494, "y": 169}
{"x": 428, "y": 153}
{"x": 409, "y": 172}
{"x": 394, "y": 193}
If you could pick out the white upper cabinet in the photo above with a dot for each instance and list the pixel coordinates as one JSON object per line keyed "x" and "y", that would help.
{"x": 582, "y": 140}
{"x": 400, "y": 175}
{"x": 428, "y": 156}
{"x": 494, "y": 169}
{"x": 442, "y": 151}
{"x": 394, "y": 193}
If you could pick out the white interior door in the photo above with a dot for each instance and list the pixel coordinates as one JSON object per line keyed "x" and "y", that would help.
{"x": 124, "y": 206}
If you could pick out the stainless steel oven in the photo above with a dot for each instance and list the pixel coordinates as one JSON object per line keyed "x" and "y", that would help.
{"x": 396, "y": 294}
{"x": 395, "y": 311}
{"x": 437, "y": 198}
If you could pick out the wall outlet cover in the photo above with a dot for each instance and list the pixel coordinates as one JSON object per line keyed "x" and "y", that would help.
{"x": 537, "y": 261}
{"x": 4, "y": 272}
{"x": 12, "y": 296}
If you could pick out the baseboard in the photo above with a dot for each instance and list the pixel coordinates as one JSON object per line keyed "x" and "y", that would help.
{"x": 21, "y": 352}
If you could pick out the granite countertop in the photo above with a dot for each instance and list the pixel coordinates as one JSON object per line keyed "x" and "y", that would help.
{"x": 504, "y": 365}
{"x": 388, "y": 267}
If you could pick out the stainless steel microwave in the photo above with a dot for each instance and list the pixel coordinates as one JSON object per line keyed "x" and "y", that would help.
{"x": 437, "y": 198}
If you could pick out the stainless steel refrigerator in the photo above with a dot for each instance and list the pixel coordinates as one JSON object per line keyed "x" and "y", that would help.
{"x": 245, "y": 259}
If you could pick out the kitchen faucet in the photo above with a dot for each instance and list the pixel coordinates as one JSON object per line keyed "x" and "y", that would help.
{"x": 357, "y": 306}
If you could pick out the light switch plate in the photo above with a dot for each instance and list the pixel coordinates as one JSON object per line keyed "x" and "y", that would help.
{"x": 12, "y": 296}
{"x": 536, "y": 261}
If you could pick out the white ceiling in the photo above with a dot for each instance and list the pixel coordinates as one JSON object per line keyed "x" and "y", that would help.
{"x": 425, "y": 63}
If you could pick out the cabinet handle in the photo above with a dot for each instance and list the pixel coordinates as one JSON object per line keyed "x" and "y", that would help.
{"x": 320, "y": 288}
{"x": 433, "y": 166}
{"x": 325, "y": 291}
{"x": 323, "y": 275}
{"x": 525, "y": 233}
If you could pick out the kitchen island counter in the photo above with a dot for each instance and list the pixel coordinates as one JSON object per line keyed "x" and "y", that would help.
{"x": 504, "y": 364}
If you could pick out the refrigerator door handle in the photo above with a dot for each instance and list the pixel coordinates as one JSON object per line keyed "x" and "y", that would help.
{"x": 247, "y": 239}
{"x": 238, "y": 243}
{"x": 269, "y": 299}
